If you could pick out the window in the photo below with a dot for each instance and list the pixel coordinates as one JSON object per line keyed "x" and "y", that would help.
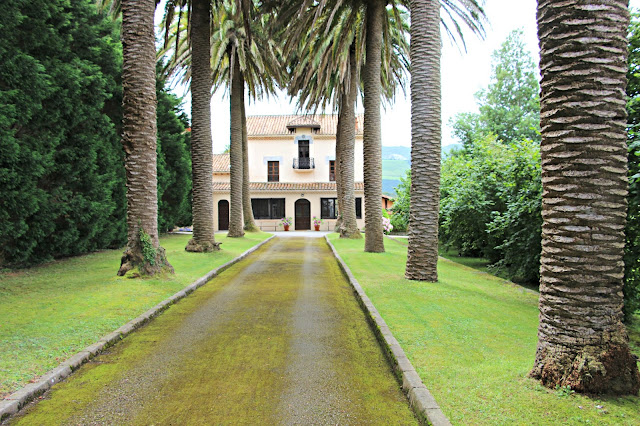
{"x": 332, "y": 170}
{"x": 267, "y": 208}
{"x": 358, "y": 208}
{"x": 273, "y": 171}
{"x": 328, "y": 208}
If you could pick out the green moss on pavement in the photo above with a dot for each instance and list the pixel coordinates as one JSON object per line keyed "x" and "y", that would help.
{"x": 240, "y": 351}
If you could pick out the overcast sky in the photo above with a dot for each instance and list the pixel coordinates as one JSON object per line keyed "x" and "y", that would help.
{"x": 463, "y": 74}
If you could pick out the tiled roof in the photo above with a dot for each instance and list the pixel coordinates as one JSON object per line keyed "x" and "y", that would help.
{"x": 286, "y": 186}
{"x": 303, "y": 121}
{"x": 221, "y": 163}
{"x": 271, "y": 125}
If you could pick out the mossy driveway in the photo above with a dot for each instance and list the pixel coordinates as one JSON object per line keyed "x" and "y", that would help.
{"x": 276, "y": 339}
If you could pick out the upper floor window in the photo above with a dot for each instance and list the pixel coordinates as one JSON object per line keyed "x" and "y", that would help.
{"x": 273, "y": 171}
{"x": 332, "y": 170}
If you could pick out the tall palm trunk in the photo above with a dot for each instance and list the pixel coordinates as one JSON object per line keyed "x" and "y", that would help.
{"x": 247, "y": 212}
{"x": 425, "y": 140}
{"x": 201, "y": 148}
{"x": 139, "y": 139}
{"x": 338, "y": 169}
{"x": 582, "y": 341}
{"x": 374, "y": 240}
{"x": 349, "y": 227}
{"x": 235, "y": 151}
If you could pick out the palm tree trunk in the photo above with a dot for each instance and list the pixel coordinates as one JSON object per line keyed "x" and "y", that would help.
{"x": 582, "y": 342}
{"x": 338, "y": 169}
{"x": 235, "y": 152}
{"x": 139, "y": 139}
{"x": 347, "y": 154}
{"x": 247, "y": 212}
{"x": 201, "y": 148}
{"x": 425, "y": 140}
{"x": 374, "y": 240}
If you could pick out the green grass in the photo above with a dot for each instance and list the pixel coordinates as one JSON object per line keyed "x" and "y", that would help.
{"x": 55, "y": 310}
{"x": 472, "y": 338}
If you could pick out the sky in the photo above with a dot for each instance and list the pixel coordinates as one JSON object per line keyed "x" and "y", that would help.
{"x": 463, "y": 74}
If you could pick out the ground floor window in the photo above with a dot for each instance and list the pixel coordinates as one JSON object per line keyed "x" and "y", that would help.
{"x": 328, "y": 208}
{"x": 267, "y": 208}
{"x": 358, "y": 208}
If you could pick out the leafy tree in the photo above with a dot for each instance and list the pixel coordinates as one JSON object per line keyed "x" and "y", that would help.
{"x": 509, "y": 106}
{"x": 59, "y": 67}
{"x": 174, "y": 162}
{"x": 402, "y": 203}
{"x": 632, "y": 231}
{"x": 490, "y": 205}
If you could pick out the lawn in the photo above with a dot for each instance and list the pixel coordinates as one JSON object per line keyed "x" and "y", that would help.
{"x": 55, "y": 310}
{"x": 472, "y": 338}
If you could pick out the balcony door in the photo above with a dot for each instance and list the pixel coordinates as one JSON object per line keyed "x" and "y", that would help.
{"x": 303, "y": 214}
{"x": 303, "y": 154}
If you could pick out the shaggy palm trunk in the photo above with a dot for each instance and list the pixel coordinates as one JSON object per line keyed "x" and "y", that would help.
{"x": 374, "y": 239}
{"x": 139, "y": 139}
{"x": 249, "y": 222}
{"x": 425, "y": 140}
{"x": 349, "y": 227}
{"x": 235, "y": 152}
{"x": 201, "y": 148}
{"x": 582, "y": 341}
{"x": 338, "y": 169}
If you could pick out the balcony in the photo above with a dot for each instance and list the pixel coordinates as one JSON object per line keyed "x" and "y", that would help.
{"x": 303, "y": 163}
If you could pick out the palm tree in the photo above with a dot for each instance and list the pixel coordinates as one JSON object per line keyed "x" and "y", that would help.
{"x": 426, "y": 126}
{"x": 325, "y": 69}
{"x": 426, "y": 134}
{"x": 247, "y": 211}
{"x": 582, "y": 341}
{"x": 242, "y": 56}
{"x": 201, "y": 145}
{"x": 236, "y": 61}
{"x": 468, "y": 11}
{"x": 143, "y": 249}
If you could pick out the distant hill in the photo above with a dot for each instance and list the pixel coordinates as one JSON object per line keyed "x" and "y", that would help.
{"x": 396, "y": 153}
{"x": 395, "y": 162}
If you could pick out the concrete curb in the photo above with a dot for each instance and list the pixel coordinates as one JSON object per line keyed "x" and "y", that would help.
{"x": 420, "y": 399}
{"x": 11, "y": 404}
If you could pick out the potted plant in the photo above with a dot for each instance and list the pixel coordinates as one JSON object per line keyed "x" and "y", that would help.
{"x": 316, "y": 223}
{"x": 286, "y": 222}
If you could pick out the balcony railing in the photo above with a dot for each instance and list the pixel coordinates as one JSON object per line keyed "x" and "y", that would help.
{"x": 303, "y": 163}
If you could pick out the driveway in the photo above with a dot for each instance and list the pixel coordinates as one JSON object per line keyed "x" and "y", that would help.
{"x": 276, "y": 339}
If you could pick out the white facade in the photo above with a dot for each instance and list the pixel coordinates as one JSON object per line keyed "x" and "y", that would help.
{"x": 290, "y": 165}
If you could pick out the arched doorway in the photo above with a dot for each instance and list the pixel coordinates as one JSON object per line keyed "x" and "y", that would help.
{"x": 223, "y": 215}
{"x": 303, "y": 214}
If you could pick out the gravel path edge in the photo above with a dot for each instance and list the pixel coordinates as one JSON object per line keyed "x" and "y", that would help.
{"x": 420, "y": 399}
{"x": 11, "y": 404}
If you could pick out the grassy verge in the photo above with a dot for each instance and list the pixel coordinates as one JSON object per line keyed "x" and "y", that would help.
{"x": 53, "y": 311}
{"x": 472, "y": 338}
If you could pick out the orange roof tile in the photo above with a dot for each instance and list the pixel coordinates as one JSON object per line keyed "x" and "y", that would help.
{"x": 221, "y": 163}
{"x": 286, "y": 186}
{"x": 271, "y": 125}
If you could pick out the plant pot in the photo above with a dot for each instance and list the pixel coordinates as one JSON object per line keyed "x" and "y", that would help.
{"x": 286, "y": 227}
{"x": 317, "y": 227}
